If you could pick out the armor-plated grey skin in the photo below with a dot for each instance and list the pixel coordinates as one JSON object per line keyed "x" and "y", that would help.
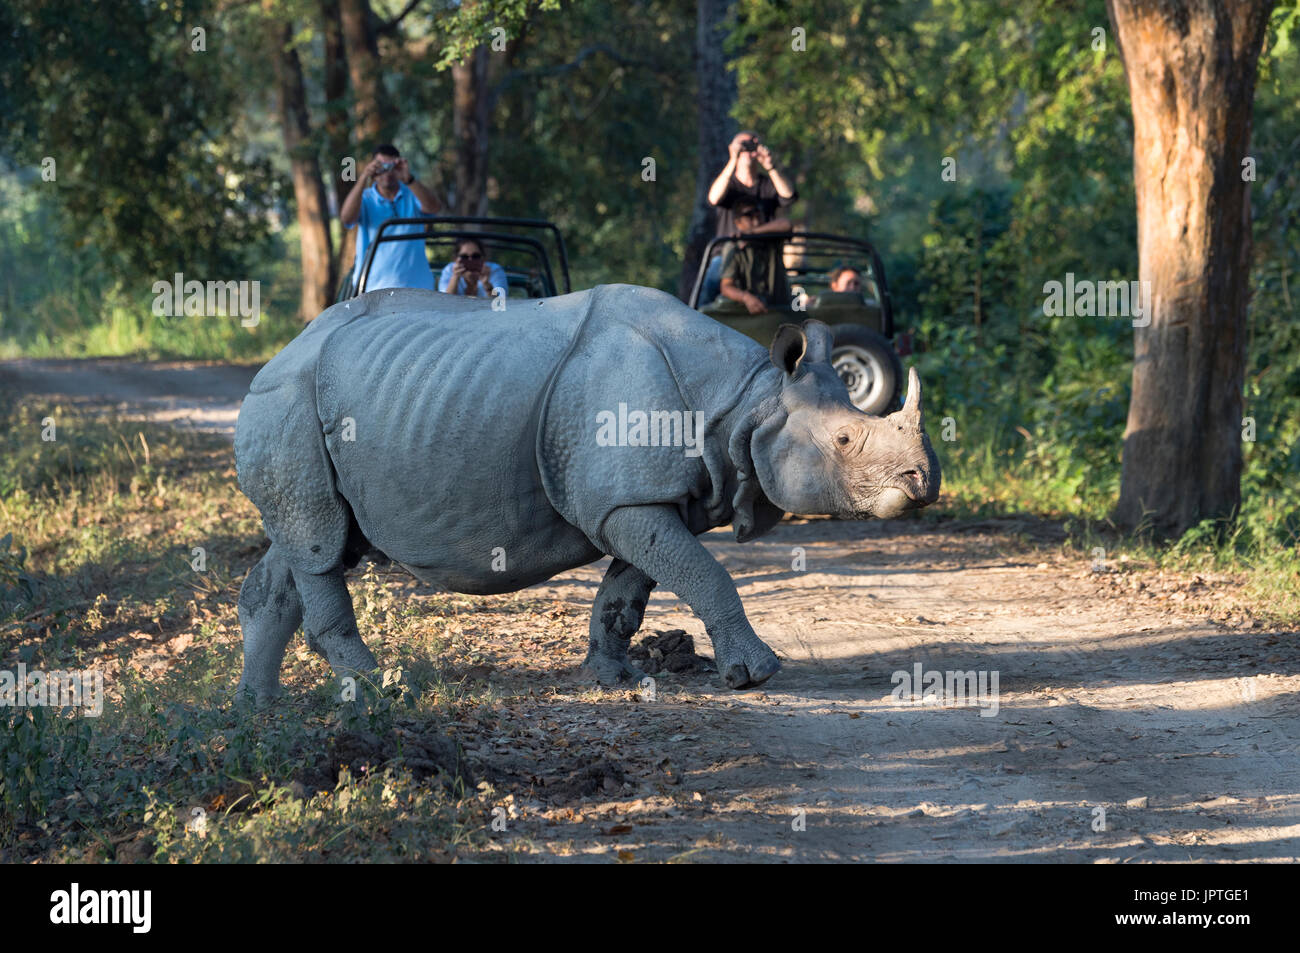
{"x": 477, "y": 448}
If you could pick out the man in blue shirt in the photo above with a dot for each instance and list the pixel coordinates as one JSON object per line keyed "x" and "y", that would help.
{"x": 395, "y": 194}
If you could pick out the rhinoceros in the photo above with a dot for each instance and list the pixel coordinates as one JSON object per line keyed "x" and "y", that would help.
{"x": 486, "y": 451}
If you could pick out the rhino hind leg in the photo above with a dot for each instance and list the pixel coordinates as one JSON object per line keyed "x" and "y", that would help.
{"x": 615, "y": 618}
{"x": 330, "y": 624}
{"x": 656, "y": 541}
{"x": 270, "y": 611}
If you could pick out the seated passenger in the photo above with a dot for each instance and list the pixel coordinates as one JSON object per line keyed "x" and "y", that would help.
{"x": 471, "y": 274}
{"x": 849, "y": 279}
{"x": 753, "y": 272}
{"x": 846, "y": 279}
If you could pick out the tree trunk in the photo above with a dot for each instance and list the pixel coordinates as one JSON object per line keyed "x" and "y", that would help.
{"x": 470, "y": 127}
{"x": 715, "y": 128}
{"x": 336, "y": 125}
{"x": 1191, "y": 69}
{"x": 372, "y": 112}
{"x": 308, "y": 188}
{"x": 373, "y": 115}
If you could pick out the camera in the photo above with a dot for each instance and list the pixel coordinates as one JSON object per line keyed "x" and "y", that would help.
{"x": 386, "y": 167}
{"x": 749, "y": 145}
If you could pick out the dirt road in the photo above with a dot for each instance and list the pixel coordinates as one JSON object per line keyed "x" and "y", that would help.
{"x": 1126, "y": 728}
{"x": 200, "y": 395}
{"x": 1134, "y": 717}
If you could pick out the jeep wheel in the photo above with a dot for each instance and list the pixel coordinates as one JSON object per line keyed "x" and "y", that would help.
{"x": 869, "y": 367}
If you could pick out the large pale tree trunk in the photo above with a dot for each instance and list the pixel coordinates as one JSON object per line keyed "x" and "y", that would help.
{"x": 1191, "y": 68}
{"x": 471, "y": 116}
{"x": 308, "y": 188}
{"x": 716, "y": 94}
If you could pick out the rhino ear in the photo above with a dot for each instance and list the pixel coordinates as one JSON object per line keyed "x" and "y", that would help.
{"x": 820, "y": 341}
{"x": 788, "y": 348}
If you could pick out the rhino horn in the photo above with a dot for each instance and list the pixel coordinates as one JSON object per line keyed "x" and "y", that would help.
{"x": 911, "y": 411}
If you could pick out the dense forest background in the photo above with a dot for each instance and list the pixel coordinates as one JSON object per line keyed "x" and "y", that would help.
{"x": 176, "y": 159}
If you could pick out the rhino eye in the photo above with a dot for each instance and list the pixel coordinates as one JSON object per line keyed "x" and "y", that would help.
{"x": 842, "y": 440}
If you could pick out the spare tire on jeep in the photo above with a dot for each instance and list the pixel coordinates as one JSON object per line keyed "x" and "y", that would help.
{"x": 869, "y": 367}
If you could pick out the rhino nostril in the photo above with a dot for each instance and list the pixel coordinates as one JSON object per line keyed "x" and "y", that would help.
{"x": 913, "y": 483}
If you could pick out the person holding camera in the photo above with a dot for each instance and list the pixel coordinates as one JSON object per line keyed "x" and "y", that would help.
{"x": 750, "y": 176}
{"x": 471, "y": 274}
{"x": 388, "y": 189}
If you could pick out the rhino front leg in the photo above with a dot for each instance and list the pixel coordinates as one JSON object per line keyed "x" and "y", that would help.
{"x": 654, "y": 540}
{"x": 615, "y": 618}
{"x": 270, "y": 612}
{"x": 330, "y": 625}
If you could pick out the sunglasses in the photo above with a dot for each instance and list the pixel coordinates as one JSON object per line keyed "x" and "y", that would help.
{"x": 474, "y": 257}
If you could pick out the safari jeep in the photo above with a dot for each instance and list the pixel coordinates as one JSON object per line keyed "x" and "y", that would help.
{"x": 862, "y": 323}
{"x": 530, "y": 250}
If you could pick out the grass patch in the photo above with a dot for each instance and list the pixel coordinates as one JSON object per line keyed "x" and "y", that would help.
{"x": 117, "y": 325}
{"x": 82, "y": 309}
{"x": 122, "y": 548}
{"x": 984, "y": 482}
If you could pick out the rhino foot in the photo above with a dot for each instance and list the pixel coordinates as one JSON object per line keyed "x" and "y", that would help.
{"x": 257, "y": 699}
{"x": 740, "y": 675}
{"x": 270, "y": 611}
{"x": 611, "y": 673}
{"x": 759, "y": 664}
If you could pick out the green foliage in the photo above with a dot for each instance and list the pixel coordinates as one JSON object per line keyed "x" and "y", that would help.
{"x": 1270, "y": 489}
{"x": 42, "y": 756}
{"x": 69, "y": 303}
{"x": 464, "y": 26}
{"x": 14, "y": 578}
{"x": 578, "y": 112}
{"x": 1029, "y": 124}
{"x": 150, "y": 167}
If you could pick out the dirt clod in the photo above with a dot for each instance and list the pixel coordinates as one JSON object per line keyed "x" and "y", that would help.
{"x": 670, "y": 651}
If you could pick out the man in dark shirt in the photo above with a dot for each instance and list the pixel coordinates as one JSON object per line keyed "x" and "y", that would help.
{"x": 750, "y": 175}
{"x": 753, "y": 272}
